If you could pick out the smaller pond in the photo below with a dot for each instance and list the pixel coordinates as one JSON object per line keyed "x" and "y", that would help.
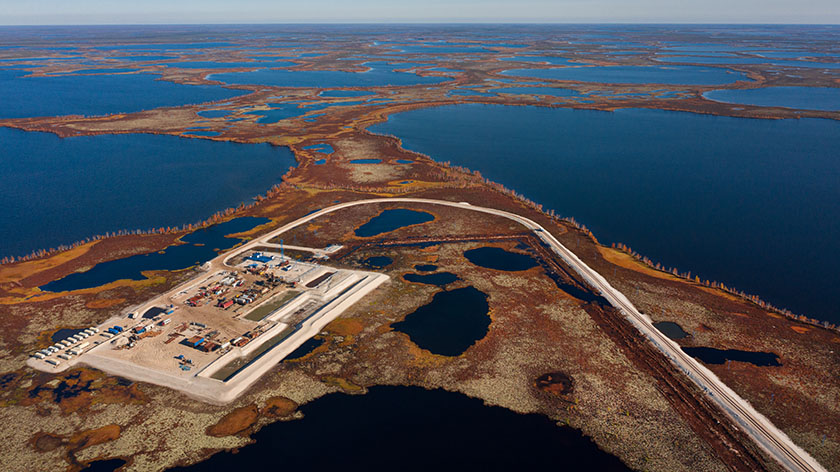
{"x": 344, "y": 93}
{"x": 320, "y": 162}
{"x": 65, "y": 333}
{"x": 390, "y": 220}
{"x": 710, "y": 355}
{"x": 425, "y": 267}
{"x": 500, "y": 259}
{"x": 200, "y": 246}
{"x": 214, "y": 113}
{"x": 448, "y": 325}
{"x": 377, "y": 262}
{"x": 440, "y": 278}
{"x": 671, "y": 329}
{"x": 366, "y": 161}
{"x": 323, "y": 148}
{"x": 404, "y": 161}
{"x": 307, "y": 347}
{"x": 806, "y": 98}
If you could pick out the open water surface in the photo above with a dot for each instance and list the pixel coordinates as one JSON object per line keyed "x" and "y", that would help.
{"x": 751, "y": 203}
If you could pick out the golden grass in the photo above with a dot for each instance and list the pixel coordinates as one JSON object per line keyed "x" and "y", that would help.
{"x": 622, "y": 259}
{"x": 104, "y": 302}
{"x": 20, "y": 271}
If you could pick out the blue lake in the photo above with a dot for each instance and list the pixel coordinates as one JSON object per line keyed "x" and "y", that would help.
{"x": 200, "y": 246}
{"x": 548, "y": 91}
{"x": 806, "y": 98}
{"x": 380, "y": 74}
{"x": 144, "y": 58}
{"x": 540, "y": 59}
{"x": 57, "y": 191}
{"x": 227, "y": 65}
{"x": 751, "y": 203}
{"x": 214, "y": 113}
{"x": 390, "y": 220}
{"x": 344, "y": 93}
{"x": 322, "y": 148}
{"x": 678, "y": 75}
{"x": 748, "y": 60}
{"x": 22, "y": 97}
{"x": 469, "y": 93}
{"x": 366, "y": 161}
{"x": 104, "y": 71}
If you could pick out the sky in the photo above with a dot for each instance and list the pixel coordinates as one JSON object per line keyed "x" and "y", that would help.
{"x": 75, "y": 12}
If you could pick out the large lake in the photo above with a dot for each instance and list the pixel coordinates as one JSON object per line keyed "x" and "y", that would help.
{"x": 751, "y": 203}
{"x": 22, "y": 97}
{"x": 56, "y": 191}
{"x": 411, "y": 429}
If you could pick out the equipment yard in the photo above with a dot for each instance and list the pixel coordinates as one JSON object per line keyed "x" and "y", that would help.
{"x": 215, "y": 335}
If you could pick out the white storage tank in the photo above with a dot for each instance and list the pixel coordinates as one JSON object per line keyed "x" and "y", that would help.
{"x": 83, "y": 345}
{"x": 64, "y": 356}
{"x": 53, "y": 362}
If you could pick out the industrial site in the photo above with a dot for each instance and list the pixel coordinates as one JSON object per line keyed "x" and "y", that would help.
{"x": 215, "y": 335}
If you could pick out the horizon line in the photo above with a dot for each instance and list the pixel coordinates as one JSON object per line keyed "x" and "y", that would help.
{"x": 431, "y": 23}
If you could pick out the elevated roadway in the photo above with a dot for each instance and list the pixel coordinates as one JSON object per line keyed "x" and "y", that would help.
{"x": 757, "y": 426}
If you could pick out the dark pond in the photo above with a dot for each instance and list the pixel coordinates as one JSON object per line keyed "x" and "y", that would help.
{"x": 106, "y": 465}
{"x": 499, "y": 259}
{"x": 65, "y": 333}
{"x": 390, "y": 220}
{"x": 667, "y": 183}
{"x": 308, "y": 346}
{"x": 408, "y": 428}
{"x": 377, "y": 262}
{"x": 56, "y": 191}
{"x": 200, "y": 247}
{"x": 440, "y": 278}
{"x": 97, "y": 94}
{"x": 425, "y": 267}
{"x": 710, "y": 355}
{"x": 448, "y": 325}
{"x": 366, "y": 161}
{"x": 671, "y": 329}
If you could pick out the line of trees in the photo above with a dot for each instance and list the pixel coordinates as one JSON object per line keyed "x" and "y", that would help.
{"x": 721, "y": 286}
